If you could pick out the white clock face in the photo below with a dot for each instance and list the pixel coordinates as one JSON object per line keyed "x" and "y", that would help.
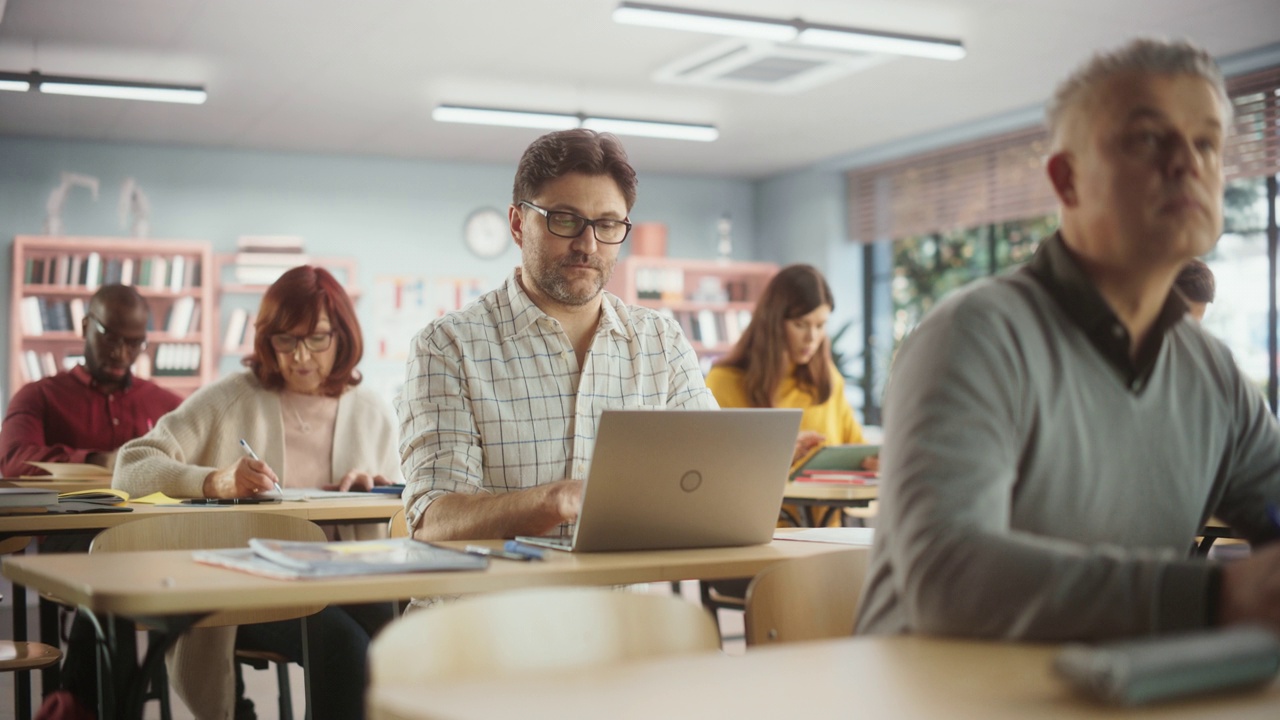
{"x": 487, "y": 233}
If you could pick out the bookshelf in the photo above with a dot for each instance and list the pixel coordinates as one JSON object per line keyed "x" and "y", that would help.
{"x": 54, "y": 278}
{"x": 712, "y": 299}
{"x": 243, "y": 277}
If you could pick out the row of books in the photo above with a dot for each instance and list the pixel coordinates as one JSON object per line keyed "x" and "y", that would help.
{"x": 262, "y": 259}
{"x": 177, "y": 359}
{"x": 239, "y": 332}
{"x": 37, "y": 365}
{"x": 670, "y": 284}
{"x": 712, "y": 327}
{"x": 40, "y": 315}
{"x": 171, "y": 359}
{"x": 91, "y": 270}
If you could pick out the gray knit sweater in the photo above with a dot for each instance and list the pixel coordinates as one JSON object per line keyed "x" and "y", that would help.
{"x": 1037, "y": 489}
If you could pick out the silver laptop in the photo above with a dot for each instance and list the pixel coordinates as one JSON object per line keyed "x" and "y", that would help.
{"x": 664, "y": 479}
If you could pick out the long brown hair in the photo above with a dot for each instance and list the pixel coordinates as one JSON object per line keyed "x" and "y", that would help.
{"x": 795, "y": 291}
{"x": 296, "y": 299}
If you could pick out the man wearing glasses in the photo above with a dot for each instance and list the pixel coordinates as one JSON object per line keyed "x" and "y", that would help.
{"x": 85, "y": 414}
{"x": 499, "y": 409}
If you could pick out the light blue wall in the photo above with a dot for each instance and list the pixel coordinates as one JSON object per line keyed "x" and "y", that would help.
{"x": 396, "y": 216}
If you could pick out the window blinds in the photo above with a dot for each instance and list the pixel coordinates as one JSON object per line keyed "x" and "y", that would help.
{"x": 1002, "y": 178}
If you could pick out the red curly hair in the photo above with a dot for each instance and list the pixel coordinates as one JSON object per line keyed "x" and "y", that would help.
{"x": 297, "y": 298}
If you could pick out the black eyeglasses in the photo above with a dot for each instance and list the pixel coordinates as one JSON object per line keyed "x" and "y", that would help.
{"x": 569, "y": 225}
{"x": 113, "y": 338}
{"x": 315, "y": 342}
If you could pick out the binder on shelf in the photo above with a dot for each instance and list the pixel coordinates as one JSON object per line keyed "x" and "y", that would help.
{"x": 92, "y": 271}
{"x": 32, "y": 322}
{"x": 48, "y": 364}
{"x": 707, "y": 327}
{"x": 177, "y": 272}
{"x": 31, "y": 366}
{"x": 234, "y": 336}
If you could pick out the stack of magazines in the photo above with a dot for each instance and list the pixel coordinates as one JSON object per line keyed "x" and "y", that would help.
{"x": 291, "y": 560}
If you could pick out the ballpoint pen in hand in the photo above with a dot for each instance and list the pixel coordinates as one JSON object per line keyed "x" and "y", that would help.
{"x": 249, "y": 451}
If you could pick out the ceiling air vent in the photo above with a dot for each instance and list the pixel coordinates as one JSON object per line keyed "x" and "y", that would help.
{"x": 763, "y": 66}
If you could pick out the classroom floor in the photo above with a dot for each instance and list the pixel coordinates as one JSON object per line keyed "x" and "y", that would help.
{"x": 260, "y": 685}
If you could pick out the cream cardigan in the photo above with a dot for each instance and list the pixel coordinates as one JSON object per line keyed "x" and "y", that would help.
{"x": 204, "y": 434}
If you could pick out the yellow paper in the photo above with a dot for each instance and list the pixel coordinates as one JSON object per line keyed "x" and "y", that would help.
{"x": 124, "y": 496}
{"x": 156, "y": 498}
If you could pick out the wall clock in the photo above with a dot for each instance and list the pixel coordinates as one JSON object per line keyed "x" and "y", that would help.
{"x": 486, "y": 232}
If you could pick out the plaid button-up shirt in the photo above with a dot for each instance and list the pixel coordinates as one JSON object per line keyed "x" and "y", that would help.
{"x": 494, "y": 399}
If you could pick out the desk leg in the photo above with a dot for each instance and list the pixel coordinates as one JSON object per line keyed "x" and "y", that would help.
{"x": 50, "y": 634}
{"x": 306, "y": 667}
{"x": 21, "y": 681}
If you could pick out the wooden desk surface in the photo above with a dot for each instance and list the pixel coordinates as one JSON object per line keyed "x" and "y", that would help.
{"x": 902, "y": 678}
{"x": 56, "y": 485}
{"x": 353, "y": 510}
{"x": 139, "y": 584}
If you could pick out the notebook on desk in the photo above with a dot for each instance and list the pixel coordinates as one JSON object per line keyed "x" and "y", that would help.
{"x": 666, "y": 479}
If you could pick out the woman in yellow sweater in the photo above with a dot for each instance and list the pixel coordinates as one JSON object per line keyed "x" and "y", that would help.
{"x": 784, "y": 360}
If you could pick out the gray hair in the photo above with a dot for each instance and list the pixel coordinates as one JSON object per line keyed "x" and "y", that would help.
{"x": 1149, "y": 55}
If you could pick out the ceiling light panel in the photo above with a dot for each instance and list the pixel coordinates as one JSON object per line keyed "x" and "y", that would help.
{"x": 713, "y": 23}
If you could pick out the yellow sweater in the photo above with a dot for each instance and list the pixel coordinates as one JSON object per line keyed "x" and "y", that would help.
{"x": 833, "y": 419}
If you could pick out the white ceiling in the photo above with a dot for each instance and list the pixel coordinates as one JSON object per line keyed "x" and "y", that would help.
{"x": 361, "y": 76}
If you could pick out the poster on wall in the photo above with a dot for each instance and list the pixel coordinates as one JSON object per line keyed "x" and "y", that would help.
{"x": 404, "y": 304}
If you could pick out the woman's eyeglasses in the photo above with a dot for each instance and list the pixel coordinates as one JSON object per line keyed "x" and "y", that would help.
{"x": 315, "y": 342}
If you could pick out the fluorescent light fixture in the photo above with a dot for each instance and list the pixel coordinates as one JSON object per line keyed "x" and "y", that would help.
{"x": 648, "y": 128}
{"x": 507, "y": 118}
{"x": 876, "y": 42}
{"x": 781, "y": 30}
{"x": 566, "y": 121}
{"x": 713, "y": 23}
{"x": 35, "y": 81}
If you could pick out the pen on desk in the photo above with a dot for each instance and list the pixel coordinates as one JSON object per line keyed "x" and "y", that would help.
{"x": 518, "y": 548}
{"x": 491, "y": 552}
{"x": 249, "y": 451}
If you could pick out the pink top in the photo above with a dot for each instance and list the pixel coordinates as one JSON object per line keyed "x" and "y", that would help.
{"x": 309, "y": 422}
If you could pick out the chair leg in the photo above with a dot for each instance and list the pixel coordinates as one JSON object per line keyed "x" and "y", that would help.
{"x": 286, "y": 693}
{"x": 161, "y": 691}
{"x": 22, "y": 695}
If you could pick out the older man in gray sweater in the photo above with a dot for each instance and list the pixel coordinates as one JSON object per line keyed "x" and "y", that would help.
{"x": 1056, "y": 437}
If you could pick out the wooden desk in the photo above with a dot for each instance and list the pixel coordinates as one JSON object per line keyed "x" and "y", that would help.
{"x": 56, "y": 485}
{"x": 146, "y": 584}
{"x": 810, "y": 496}
{"x": 353, "y": 510}
{"x": 171, "y": 590}
{"x": 903, "y": 678}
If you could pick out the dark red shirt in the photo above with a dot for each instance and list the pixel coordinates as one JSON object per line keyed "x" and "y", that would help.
{"x": 65, "y": 417}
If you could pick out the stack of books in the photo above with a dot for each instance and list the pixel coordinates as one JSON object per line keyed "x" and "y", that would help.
{"x": 262, "y": 259}
{"x": 21, "y": 501}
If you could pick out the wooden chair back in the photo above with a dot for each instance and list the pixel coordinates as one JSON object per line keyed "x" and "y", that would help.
{"x": 536, "y": 631}
{"x": 213, "y": 530}
{"x": 806, "y": 598}
{"x": 397, "y": 527}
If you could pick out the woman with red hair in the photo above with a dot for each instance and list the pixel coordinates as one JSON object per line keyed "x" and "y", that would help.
{"x": 300, "y": 407}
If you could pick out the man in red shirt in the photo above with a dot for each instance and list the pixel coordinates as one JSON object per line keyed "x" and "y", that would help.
{"x": 86, "y": 414}
{"x": 83, "y": 416}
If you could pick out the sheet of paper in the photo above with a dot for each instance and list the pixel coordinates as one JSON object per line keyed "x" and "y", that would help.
{"x": 157, "y": 498}
{"x": 73, "y": 471}
{"x": 318, "y": 494}
{"x": 840, "y": 535}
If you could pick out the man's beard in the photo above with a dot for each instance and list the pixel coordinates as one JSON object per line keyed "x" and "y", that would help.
{"x": 551, "y": 280}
